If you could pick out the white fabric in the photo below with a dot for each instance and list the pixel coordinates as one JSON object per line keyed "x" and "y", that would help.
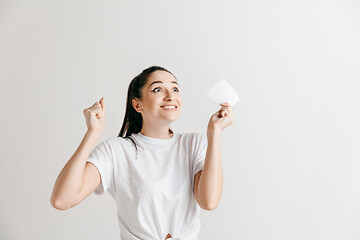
{"x": 153, "y": 185}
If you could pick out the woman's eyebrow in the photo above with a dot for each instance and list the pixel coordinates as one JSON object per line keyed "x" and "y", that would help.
{"x": 162, "y": 82}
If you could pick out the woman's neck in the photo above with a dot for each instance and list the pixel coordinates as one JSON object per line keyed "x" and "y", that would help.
{"x": 169, "y": 135}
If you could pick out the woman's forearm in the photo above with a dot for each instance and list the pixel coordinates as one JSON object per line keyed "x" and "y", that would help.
{"x": 69, "y": 181}
{"x": 210, "y": 184}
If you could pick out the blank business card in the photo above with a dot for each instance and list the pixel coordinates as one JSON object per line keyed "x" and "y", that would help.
{"x": 222, "y": 92}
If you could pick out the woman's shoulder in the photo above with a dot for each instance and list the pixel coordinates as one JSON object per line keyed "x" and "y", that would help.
{"x": 193, "y": 136}
{"x": 120, "y": 146}
{"x": 112, "y": 141}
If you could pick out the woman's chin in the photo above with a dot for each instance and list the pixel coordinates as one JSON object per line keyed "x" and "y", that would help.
{"x": 171, "y": 118}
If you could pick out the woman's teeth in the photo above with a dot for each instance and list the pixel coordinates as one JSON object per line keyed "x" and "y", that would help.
{"x": 169, "y": 107}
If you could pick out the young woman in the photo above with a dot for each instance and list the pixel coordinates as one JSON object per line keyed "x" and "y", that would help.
{"x": 158, "y": 178}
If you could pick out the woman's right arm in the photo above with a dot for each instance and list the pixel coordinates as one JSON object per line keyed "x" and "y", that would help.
{"x": 68, "y": 184}
{"x": 77, "y": 173}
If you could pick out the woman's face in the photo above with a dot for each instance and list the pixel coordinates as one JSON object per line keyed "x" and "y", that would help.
{"x": 160, "y": 90}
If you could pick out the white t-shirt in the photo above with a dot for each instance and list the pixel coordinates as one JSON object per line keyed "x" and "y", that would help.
{"x": 153, "y": 184}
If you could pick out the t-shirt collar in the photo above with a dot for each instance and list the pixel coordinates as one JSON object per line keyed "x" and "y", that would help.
{"x": 157, "y": 141}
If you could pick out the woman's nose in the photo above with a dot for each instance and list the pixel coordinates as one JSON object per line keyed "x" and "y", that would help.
{"x": 170, "y": 95}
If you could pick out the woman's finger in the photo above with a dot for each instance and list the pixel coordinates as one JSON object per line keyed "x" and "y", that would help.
{"x": 223, "y": 112}
{"x": 226, "y": 104}
{"x": 225, "y": 109}
{"x": 102, "y": 103}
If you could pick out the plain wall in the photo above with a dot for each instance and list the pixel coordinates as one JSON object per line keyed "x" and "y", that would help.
{"x": 290, "y": 159}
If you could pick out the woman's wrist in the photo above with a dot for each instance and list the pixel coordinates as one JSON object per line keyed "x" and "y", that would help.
{"x": 213, "y": 129}
{"x": 94, "y": 133}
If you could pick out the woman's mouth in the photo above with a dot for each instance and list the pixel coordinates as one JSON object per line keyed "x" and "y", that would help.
{"x": 169, "y": 108}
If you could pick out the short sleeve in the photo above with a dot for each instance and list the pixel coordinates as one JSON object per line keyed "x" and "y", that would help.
{"x": 102, "y": 157}
{"x": 199, "y": 153}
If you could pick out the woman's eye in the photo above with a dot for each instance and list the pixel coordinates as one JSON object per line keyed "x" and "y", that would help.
{"x": 159, "y": 88}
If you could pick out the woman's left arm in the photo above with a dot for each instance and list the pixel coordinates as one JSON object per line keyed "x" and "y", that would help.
{"x": 210, "y": 184}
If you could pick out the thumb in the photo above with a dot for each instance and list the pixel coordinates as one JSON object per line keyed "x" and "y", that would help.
{"x": 102, "y": 103}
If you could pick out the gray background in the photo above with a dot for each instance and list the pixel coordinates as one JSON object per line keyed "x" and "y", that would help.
{"x": 291, "y": 158}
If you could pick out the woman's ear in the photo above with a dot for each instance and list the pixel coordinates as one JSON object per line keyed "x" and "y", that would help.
{"x": 136, "y": 105}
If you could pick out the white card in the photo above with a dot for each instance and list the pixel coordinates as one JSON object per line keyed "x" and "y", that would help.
{"x": 223, "y": 92}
